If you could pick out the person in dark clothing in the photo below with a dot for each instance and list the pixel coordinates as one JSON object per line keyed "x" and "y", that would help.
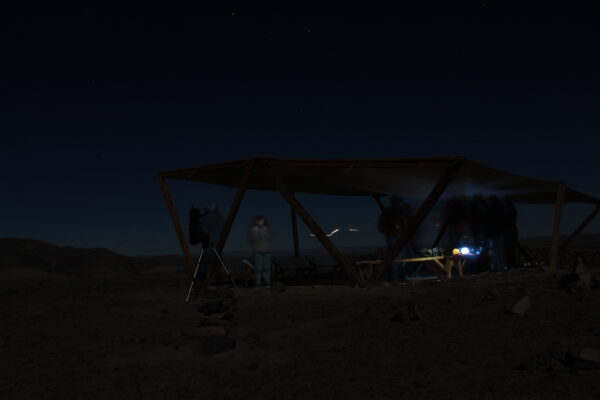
{"x": 510, "y": 233}
{"x": 456, "y": 215}
{"x": 495, "y": 233}
{"x": 393, "y": 221}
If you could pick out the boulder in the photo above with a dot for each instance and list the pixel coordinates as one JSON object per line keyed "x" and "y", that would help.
{"x": 521, "y": 306}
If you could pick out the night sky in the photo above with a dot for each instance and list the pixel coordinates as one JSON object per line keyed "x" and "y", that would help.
{"x": 94, "y": 105}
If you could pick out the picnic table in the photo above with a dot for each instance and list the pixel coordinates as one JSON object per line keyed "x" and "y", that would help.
{"x": 443, "y": 264}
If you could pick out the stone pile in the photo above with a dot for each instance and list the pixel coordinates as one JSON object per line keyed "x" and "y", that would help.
{"x": 578, "y": 281}
{"x": 559, "y": 356}
{"x": 217, "y": 307}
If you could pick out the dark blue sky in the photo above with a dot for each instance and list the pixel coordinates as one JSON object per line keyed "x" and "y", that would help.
{"x": 94, "y": 106}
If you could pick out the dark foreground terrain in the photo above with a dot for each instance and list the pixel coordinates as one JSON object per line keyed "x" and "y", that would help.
{"x": 134, "y": 338}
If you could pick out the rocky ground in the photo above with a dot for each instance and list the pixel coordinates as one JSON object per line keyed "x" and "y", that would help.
{"x": 514, "y": 335}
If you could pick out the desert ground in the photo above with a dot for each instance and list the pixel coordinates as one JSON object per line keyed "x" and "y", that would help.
{"x": 135, "y": 337}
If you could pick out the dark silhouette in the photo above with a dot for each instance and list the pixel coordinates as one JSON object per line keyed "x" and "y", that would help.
{"x": 457, "y": 214}
{"x": 487, "y": 222}
{"x": 392, "y": 222}
{"x": 259, "y": 236}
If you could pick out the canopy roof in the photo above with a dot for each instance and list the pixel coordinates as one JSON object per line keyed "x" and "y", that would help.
{"x": 406, "y": 177}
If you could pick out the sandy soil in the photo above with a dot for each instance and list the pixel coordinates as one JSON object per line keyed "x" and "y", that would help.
{"x": 137, "y": 339}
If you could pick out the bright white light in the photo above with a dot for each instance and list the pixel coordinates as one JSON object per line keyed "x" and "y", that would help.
{"x": 329, "y": 234}
{"x": 353, "y": 229}
{"x": 465, "y": 250}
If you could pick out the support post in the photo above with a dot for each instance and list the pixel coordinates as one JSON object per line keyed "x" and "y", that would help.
{"x": 555, "y": 251}
{"x": 295, "y": 233}
{"x": 314, "y": 227}
{"x": 235, "y": 206}
{"x": 187, "y": 255}
{"x": 581, "y": 227}
{"x": 414, "y": 223}
{"x": 379, "y": 203}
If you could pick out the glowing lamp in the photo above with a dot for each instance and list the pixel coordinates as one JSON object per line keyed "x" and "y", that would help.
{"x": 465, "y": 251}
{"x": 455, "y": 251}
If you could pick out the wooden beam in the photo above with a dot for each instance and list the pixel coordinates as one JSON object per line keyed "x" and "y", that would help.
{"x": 235, "y": 206}
{"x": 379, "y": 203}
{"x": 555, "y": 251}
{"x": 414, "y": 223}
{"x": 581, "y": 227}
{"x": 187, "y": 255}
{"x": 295, "y": 233}
{"x": 363, "y": 163}
{"x": 314, "y": 227}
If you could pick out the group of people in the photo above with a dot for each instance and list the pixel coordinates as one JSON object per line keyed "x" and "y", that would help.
{"x": 486, "y": 222}
{"x": 483, "y": 222}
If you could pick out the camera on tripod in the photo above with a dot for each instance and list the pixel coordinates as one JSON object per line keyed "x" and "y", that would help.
{"x": 202, "y": 226}
{"x": 197, "y": 232}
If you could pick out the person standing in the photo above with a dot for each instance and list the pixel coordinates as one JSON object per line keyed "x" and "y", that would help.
{"x": 393, "y": 221}
{"x": 260, "y": 240}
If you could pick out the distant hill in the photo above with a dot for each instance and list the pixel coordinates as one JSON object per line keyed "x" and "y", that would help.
{"x": 582, "y": 241}
{"x": 16, "y": 253}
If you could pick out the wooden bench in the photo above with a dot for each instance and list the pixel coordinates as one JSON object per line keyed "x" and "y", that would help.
{"x": 438, "y": 264}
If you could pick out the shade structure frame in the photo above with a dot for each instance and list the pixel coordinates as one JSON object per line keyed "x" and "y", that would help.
{"x": 540, "y": 191}
{"x": 314, "y": 227}
{"x": 379, "y": 177}
{"x": 580, "y": 228}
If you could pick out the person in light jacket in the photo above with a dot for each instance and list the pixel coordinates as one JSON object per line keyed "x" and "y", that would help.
{"x": 260, "y": 240}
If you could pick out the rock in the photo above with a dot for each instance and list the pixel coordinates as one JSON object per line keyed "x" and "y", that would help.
{"x": 539, "y": 362}
{"x": 216, "y": 344}
{"x": 580, "y": 285}
{"x": 413, "y": 311}
{"x": 209, "y": 293}
{"x": 590, "y": 354}
{"x": 278, "y": 287}
{"x": 521, "y": 306}
{"x": 211, "y": 307}
{"x": 566, "y": 280}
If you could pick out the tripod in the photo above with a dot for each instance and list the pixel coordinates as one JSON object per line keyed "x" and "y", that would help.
{"x": 206, "y": 246}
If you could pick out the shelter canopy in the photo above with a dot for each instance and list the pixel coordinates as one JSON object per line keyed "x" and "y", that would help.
{"x": 406, "y": 177}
